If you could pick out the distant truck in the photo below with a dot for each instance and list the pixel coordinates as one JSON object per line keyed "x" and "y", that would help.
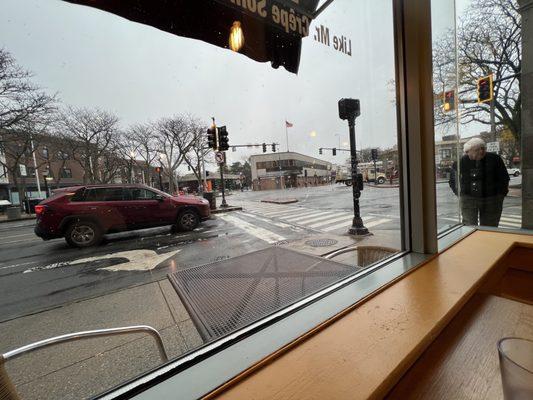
{"x": 370, "y": 176}
{"x": 342, "y": 176}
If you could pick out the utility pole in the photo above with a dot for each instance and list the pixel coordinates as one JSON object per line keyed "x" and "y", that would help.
{"x": 349, "y": 109}
{"x": 493, "y": 120}
{"x": 37, "y": 177}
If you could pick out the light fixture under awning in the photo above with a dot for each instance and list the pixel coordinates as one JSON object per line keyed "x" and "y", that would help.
{"x": 274, "y": 28}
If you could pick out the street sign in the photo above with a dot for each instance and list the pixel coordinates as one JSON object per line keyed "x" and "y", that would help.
{"x": 23, "y": 170}
{"x": 493, "y": 147}
{"x": 219, "y": 157}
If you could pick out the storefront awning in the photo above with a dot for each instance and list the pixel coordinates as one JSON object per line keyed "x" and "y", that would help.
{"x": 272, "y": 29}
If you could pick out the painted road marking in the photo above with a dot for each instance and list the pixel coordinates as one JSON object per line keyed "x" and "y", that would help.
{"x": 330, "y": 219}
{"x": 269, "y": 221}
{"x": 258, "y": 232}
{"x": 309, "y": 215}
{"x": 138, "y": 260}
{"x": 339, "y": 223}
{"x": 333, "y": 220}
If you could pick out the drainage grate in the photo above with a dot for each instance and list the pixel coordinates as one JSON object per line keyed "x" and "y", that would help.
{"x": 321, "y": 242}
{"x": 227, "y": 295}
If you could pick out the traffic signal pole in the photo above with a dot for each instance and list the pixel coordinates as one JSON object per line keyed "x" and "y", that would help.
{"x": 223, "y": 204}
{"x": 357, "y": 228}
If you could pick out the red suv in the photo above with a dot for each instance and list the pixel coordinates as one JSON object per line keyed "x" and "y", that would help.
{"x": 83, "y": 214}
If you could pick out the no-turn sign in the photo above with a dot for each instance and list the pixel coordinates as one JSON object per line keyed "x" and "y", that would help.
{"x": 219, "y": 157}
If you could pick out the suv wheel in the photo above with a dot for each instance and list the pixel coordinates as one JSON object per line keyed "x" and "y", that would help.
{"x": 187, "y": 220}
{"x": 83, "y": 234}
{"x": 381, "y": 180}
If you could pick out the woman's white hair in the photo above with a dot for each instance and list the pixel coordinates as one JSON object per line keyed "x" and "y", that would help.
{"x": 473, "y": 144}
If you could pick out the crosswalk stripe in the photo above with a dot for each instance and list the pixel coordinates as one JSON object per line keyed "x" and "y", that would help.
{"x": 308, "y": 215}
{"x": 341, "y": 225}
{"x": 331, "y": 221}
{"x": 279, "y": 213}
{"x": 315, "y": 218}
{"x": 511, "y": 219}
{"x": 378, "y": 222}
{"x": 513, "y": 225}
{"x": 278, "y": 224}
{"x": 258, "y": 232}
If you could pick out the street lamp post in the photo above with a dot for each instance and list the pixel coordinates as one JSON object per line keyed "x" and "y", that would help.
{"x": 349, "y": 109}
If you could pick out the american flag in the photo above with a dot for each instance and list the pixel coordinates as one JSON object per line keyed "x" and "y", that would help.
{"x": 288, "y": 124}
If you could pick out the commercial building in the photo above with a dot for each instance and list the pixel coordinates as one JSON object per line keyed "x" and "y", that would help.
{"x": 288, "y": 169}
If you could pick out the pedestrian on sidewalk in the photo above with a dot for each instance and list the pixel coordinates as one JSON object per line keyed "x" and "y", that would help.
{"x": 484, "y": 183}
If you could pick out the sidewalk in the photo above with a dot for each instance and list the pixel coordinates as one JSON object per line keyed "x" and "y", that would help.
{"x": 85, "y": 368}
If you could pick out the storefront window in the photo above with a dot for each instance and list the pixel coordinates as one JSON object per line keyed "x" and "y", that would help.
{"x": 478, "y": 113}
{"x": 229, "y": 105}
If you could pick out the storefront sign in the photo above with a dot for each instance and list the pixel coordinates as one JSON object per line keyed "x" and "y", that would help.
{"x": 493, "y": 147}
{"x": 291, "y": 16}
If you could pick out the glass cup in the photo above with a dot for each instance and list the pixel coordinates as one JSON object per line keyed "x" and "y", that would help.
{"x": 516, "y": 367}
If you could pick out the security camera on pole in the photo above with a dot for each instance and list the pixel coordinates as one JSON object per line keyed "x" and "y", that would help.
{"x": 349, "y": 109}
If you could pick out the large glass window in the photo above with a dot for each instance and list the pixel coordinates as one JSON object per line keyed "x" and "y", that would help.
{"x": 477, "y": 57}
{"x": 281, "y": 119}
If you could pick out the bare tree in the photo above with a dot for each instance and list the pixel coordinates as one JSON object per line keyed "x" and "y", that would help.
{"x": 20, "y": 100}
{"x": 174, "y": 140}
{"x": 141, "y": 138}
{"x": 199, "y": 150}
{"x": 93, "y": 139}
{"x": 489, "y": 42}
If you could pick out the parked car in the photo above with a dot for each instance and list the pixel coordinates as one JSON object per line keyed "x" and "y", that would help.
{"x": 513, "y": 171}
{"x": 83, "y": 214}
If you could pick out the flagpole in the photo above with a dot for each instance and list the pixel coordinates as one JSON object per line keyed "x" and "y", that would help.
{"x": 287, "y": 134}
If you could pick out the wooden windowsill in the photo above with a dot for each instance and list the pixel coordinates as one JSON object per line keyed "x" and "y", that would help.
{"x": 364, "y": 352}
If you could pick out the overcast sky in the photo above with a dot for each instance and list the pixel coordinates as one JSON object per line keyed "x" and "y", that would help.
{"x": 95, "y": 59}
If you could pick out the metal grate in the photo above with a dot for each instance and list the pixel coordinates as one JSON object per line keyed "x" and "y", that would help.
{"x": 224, "y": 296}
{"x": 321, "y": 242}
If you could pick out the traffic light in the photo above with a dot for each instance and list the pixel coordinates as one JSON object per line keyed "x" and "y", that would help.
{"x": 449, "y": 100}
{"x": 320, "y": 151}
{"x": 273, "y": 147}
{"x": 334, "y": 151}
{"x": 223, "y": 140}
{"x": 212, "y": 138}
{"x": 374, "y": 153}
{"x": 264, "y": 148}
{"x": 206, "y": 173}
{"x": 485, "y": 89}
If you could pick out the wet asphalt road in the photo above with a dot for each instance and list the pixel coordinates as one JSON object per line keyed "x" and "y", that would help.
{"x": 36, "y": 275}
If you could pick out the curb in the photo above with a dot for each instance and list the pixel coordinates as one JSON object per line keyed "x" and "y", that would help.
{"x": 17, "y": 219}
{"x": 227, "y": 209}
{"x": 286, "y": 201}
